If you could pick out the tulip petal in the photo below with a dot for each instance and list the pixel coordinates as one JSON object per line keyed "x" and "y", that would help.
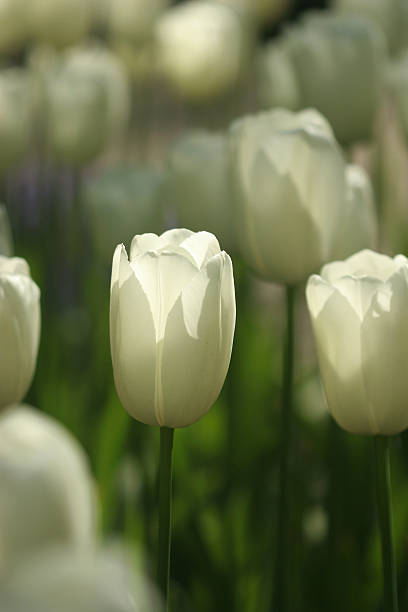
{"x": 163, "y": 276}
{"x": 358, "y": 292}
{"x": 363, "y": 263}
{"x": 14, "y": 265}
{"x": 133, "y": 344}
{"x": 201, "y": 246}
{"x": 20, "y": 334}
{"x": 337, "y": 333}
{"x": 385, "y": 354}
{"x": 193, "y": 355}
{"x": 277, "y": 227}
{"x": 143, "y": 243}
{"x": 175, "y": 236}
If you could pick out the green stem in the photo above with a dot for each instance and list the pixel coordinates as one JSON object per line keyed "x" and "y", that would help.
{"x": 382, "y": 471}
{"x": 280, "y": 600}
{"x": 165, "y": 488}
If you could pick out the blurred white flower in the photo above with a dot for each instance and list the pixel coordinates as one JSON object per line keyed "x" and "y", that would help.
{"x": 339, "y": 63}
{"x": 358, "y": 308}
{"x": 122, "y": 201}
{"x": 77, "y": 115}
{"x": 100, "y": 63}
{"x": 19, "y": 329}
{"x": 172, "y": 320}
{"x": 198, "y": 184}
{"x": 289, "y": 178}
{"x": 17, "y": 116}
{"x": 276, "y": 78}
{"x": 358, "y": 223}
{"x": 47, "y": 491}
{"x": 201, "y": 48}
{"x": 133, "y": 20}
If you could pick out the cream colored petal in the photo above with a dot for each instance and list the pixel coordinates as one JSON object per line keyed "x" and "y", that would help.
{"x": 358, "y": 292}
{"x": 133, "y": 346}
{"x": 385, "y": 355}
{"x": 363, "y": 263}
{"x": 193, "y": 360}
{"x": 318, "y": 292}
{"x": 143, "y": 243}
{"x": 163, "y": 276}
{"x": 337, "y": 334}
{"x": 20, "y": 333}
{"x": 277, "y": 233}
{"x": 175, "y": 236}
{"x": 14, "y": 265}
{"x": 202, "y": 246}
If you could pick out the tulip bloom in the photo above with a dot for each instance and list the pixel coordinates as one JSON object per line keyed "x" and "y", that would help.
{"x": 172, "y": 319}
{"x": 358, "y": 309}
{"x": 358, "y": 225}
{"x": 19, "y": 329}
{"x": 289, "y": 179}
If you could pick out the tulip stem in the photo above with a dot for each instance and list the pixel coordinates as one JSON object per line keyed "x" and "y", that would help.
{"x": 165, "y": 492}
{"x": 280, "y": 600}
{"x": 382, "y": 471}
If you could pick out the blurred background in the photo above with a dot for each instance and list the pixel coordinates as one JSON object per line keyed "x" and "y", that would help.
{"x": 113, "y": 122}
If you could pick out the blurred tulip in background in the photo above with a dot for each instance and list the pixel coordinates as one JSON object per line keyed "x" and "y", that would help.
{"x": 120, "y": 201}
{"x": 198, "y": 185}
{"x": 289, "y": 179}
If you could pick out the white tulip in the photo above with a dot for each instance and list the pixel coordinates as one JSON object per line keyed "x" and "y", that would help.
{"x": 358, "y": 225}
{"x": 200, "y": 48}
{"x": 276, "y": 78}
{"x": 133, "y": 20}
{"x": 198, "y": 184}
{"x": 47, "y": 492}
{"x": 289, "y": 176}
{"x": 19, "y": 329}
{"x": 77, "y": 116}
{"x": 358, "y": 309}
{"x": 338, "y": 63}
{"x": 100, "y": 63}
{"x": 172, "y": 320}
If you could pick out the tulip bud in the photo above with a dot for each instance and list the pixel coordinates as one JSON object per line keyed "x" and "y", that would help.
{"x": 16, "y": 116}
{"x": 338, "y": 62}
{"x": 59, "y": 22}
{"x": 172, "y": 319}
{"x": 358, "y": 225}
{"x": 120, "y": 202}
{"x": 6, "y": 239}
{"x": 99, "y": 63}
{"x": 276, "y": 79}
{"x": 289, "y": 177}
{"x": 358, "y": 309}
{"x": 47, "y": 492}
{"x": 198, "y": 184}
{"x": 19, "y": 329}
{"x": 77, "y": 108}
{"x": 191, "y": 51}
{"x": 133, "y": 20}
{"x": 13, "y": 25}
